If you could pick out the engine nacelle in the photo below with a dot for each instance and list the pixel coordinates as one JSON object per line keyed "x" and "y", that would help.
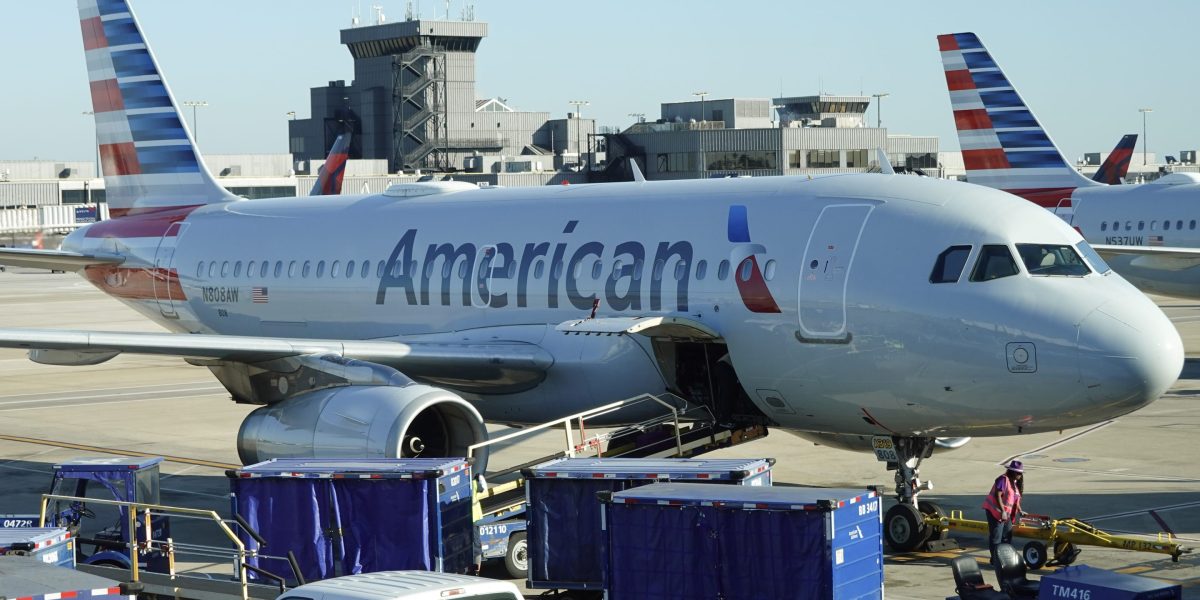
{"x": 862, "y": 443}
{"x": 364, "y": 421}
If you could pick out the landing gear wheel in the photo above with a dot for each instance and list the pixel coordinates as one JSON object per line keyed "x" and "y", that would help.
{"x": 931, "y": 509}
{"x": 1065, "y": 553}
{"x": 1034, "y": 554}
{"x": 516, "y": 558}
{"x": 904, "y": 528}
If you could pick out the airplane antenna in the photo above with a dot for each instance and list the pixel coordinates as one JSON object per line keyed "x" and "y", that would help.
{"x": 380, "y": 18}
{"x": 447, "y": 10}
{"x": 469, "y": 12}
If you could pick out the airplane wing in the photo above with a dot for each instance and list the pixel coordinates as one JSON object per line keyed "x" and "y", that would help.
{"x": 54, "y": 259}
{"x": 1161, "y": 257}
{"x": 415, "y": 359}
{"x": 659, "y": 327}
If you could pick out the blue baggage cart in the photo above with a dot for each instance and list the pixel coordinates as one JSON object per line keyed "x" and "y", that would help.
{"x": 50, "y": 545}
{"x": 350, "y": 516}
{"x": 683, "y": 542}
{"x": 563, "y": 514}
{"x": 1081, "y": 581}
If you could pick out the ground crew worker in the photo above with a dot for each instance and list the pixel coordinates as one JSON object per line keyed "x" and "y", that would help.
{"x": 1003, "y": 506}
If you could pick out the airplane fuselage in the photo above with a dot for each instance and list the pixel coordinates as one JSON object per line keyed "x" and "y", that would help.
{"x": 828, "y": 329}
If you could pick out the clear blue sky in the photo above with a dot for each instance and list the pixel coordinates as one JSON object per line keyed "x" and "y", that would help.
{"x": 1085, "y": 68}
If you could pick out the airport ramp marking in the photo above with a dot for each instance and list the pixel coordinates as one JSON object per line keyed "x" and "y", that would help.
{"x": 115, "y": 451}
{"x": 1055, "y": 443}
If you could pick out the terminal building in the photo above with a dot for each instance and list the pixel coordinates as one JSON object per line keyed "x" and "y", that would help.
{"x": 758, "y": 137}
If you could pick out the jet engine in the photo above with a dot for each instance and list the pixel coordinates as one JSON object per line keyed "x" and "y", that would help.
{"x": 364, "y": 421}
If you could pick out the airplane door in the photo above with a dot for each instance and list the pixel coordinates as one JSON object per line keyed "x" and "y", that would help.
{"x": 825, "y": 271}
{"x": 167, "y": 288}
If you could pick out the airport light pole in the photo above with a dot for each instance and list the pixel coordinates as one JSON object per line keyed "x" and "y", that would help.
{"x": 1144, "y": 138}
{"x": 195, "y": 125}
{"x": 578, "y": 104}
{"x": 879, "y": 108}
{"x": 700, "y": 136}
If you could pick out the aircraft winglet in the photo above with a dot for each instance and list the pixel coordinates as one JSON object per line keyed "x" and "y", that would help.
{"x": 637, "y": 171}
{"x": 885, "y": 166}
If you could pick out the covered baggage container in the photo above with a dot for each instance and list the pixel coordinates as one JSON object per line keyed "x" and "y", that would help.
{"x": 683, "y": 542}
{"x": 1082, "y": 581}
{"x": 563, "y": 513}
{"x": 50, "y": 545}
{"x": 350, "y": 516}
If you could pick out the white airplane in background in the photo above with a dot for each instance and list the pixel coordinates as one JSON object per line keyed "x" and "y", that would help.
{"x": 840, "y": 307}
{"x": 1147, "y": 232}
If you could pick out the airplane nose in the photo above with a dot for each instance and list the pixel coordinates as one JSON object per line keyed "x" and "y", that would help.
{"x": 1129, "y": 355}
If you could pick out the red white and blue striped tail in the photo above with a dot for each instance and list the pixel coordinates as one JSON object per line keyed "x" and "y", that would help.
{"x": 147, "y": 155}
{"x": 1003, "y": 145}
{"x": 329, "y": 177}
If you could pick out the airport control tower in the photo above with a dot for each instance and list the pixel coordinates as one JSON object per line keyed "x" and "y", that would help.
{"x": 413, "y": 100}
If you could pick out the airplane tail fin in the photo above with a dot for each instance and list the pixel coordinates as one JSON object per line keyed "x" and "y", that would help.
{"x": 1003, "y": 145}
{"x": 329, "y": 178}
{"x": 1113, "y": 171}
{"x": 147, "y": 154}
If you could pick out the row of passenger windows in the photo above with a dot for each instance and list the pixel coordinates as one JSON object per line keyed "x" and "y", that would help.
{"x": 362, "y": 270}
{"x": 1141, "y": 225}
{"x": 996, "y": 261}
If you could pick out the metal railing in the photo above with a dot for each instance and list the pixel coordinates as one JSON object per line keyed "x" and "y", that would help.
{"x": 43, "y": 218}
{"x": 134, "y": 510}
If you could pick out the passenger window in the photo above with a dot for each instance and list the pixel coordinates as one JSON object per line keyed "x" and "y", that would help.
{"x": 278, "y": 268}
{"x": 769, "y": 270}
{"x": 1166, "y": 225}
{"x": 320, "y": 269}
{"x": 597, "y": 269}
{"x": 307, "y": 267}
{"x": 746, "y": 269}
{"x": 538, "y": 268}
{"x": 291, "y": 269}
{"x": 212, "y": 269}
{"x": 200, "y": 270}
{"x": 1052, "y": 259}
{"x": 681, "y": 269}
{"x": 995, "y": 261}
{"x": 1179, "y": 224}
{"x": 366, "y": 269}
{"x": 262, "y": 269}
{"x": 1128, "y": 225}
{"x": 701, "y": 269}
{"x": 1104, "y": 226}
{"x": 1116, "y": 225}
{"x": 349, "y": 269}
{"x": 723, "y": 270}
{"x": 379, "y": 270}
{"x": 334, "y": 269}
{"x": 637, "y": 269}
{"x": 250, "y": 268}
{"x": 512, "y": 268}
{"x": 1092, "y": 257}
{"x": 557, "y": 270}
{"x": 577, "y": 271}
{"x": 949, "y": 265}
{"x": 1192, "y": 224}
{"x": 657, "y": 273}
{"x": 225, "y": 269}
{"x": 396, "y": 268}
{"x": 237, "y": 269}
{"x": 616, "y": 274}
{"x": 1141, "y": 225}
{"x": 1153, "y": 225}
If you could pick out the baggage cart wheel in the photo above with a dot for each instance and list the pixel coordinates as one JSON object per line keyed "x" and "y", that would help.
{"x": 904, "y": 528}
{"x": 933, "y": 509}
{"x": 1034, "y": 554}
{"x": 516, "y": 558}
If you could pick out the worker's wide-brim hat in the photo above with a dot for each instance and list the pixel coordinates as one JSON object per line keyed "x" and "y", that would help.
{"x": 1016, "y": 467}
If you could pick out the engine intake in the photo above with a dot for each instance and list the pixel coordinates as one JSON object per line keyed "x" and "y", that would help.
{"x": 364, "y": 421}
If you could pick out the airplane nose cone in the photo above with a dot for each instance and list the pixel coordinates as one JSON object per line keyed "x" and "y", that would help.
{"x": 1129, "y": 355}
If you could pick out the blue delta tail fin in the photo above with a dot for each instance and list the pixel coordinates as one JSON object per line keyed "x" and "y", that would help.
{"x": 1116, "y": 166}
{"x": 329, "y": 178}
{"x": 148, "y": 157}
{"x": 1003, "y": 145}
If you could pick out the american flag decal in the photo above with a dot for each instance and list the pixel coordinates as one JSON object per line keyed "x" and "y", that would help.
{"x": 1156, "y": 240}
{"x": 258, "y": 295}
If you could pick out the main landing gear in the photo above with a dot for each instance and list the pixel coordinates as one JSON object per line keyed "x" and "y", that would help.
{"x": 904, "y": 524}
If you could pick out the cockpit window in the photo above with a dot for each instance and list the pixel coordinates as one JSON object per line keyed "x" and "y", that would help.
{"x": 1093, "y": 258}
{"x": 1052, "y": 259}
{"x": 995, "y": 261}
{"x": 949, "y": 265}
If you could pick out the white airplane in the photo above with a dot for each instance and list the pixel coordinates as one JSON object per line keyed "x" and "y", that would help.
{"x": 841, "y": 308}
{"x": 1147, "y": 232}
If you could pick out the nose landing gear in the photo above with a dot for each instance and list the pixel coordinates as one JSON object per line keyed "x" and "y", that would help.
{"x": 904, "y": 524}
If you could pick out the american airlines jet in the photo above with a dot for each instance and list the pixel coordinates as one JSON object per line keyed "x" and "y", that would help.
{"x": 1147, "y": 232}
{"x": 846, "y": 308}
